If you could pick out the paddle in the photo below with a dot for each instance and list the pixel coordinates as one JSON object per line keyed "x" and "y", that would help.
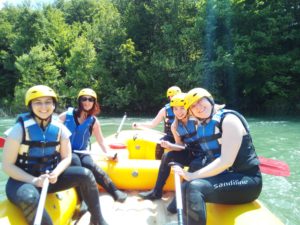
{"x": 121, "y": 125}
{"x": 268, "y": 166}
{"x": 178, "y": 193}
{"x": 273, "y": 167}
{"x": 40, "y": 208}
{"x": 93, "y": 153}
{"x": 151, "y": 130}
{"x": 2, "y": 142}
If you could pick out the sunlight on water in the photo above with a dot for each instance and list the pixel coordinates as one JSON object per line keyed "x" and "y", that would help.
{"x": 273, "y": 139}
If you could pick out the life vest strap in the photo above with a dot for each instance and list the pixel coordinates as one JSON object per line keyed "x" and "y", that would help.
{"x": 210, "y": 138}
{"x": 41, "y": 144}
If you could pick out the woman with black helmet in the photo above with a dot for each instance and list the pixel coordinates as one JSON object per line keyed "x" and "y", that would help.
{"x": 230, "y": 172}
{"x": 38, "y": 148}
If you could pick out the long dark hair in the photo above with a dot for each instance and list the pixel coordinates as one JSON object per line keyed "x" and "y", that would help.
{"x": 94, "y": 111}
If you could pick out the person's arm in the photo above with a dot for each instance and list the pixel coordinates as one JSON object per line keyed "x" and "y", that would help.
{"x": 97, "y": 132}
{"x": 9, "y": 158}
{"x": 62, "y": 117}
{"x": 65, "y": 154}
{"x": 10, "y": 155}
{"x": 153, "y": 123}
{"x": 168, "y": 145}
{"x": 232, "y": 135}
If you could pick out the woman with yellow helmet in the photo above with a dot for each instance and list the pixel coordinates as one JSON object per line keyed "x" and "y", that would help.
{"x": 184, "y": 130}
{"x": 230, "y": 172}
{"x": 165, "y": 114}
{"x": 38, "y": 148}
{"x": 83, "y": 123}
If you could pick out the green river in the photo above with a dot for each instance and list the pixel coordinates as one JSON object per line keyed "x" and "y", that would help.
{"x": 277, "y": 139}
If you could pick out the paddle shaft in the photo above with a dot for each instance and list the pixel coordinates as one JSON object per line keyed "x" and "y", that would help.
{"x": 151, "y": 130}
{"x": 121, "y": 125}
{"x": 178, "y": 198}
{"x": 267, "y": 166}
{"x": 92, "y": 153}
{"x": 41, "y": 205}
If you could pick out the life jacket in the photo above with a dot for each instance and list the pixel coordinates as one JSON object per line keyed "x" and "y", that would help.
{"x": 39, "y": 149}
{"x": 210, "y": 133}
{"x": 188, "y": 132}
{"x": 189, "y": 136}
{"x": 81, "y": 133}
{"x": 168, "y": 119}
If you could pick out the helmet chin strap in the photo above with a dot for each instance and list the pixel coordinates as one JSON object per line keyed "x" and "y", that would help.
{"x": 44, "y": 122}
{"x": 205, "y": 120}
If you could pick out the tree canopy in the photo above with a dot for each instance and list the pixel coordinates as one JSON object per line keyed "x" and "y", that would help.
{"x": 245, "y": 52}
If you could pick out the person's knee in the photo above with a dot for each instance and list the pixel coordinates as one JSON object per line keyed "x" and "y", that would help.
{"x": 27, "y": 196}
{"x": 82, "y": 175}
{"x": 195, "y": 202}
{"x": 75, "y": 160}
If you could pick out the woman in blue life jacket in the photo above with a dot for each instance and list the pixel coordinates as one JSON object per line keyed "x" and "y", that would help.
{"x": 165, "y": 114}
{"x": 82, "y": 123}
{"x": 184, "y": 130}
{"x": 230, "y": 172}
{"x": 38, "y": 148}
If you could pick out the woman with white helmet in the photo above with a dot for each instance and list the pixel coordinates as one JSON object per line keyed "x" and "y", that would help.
{"x": 230, "y": 172}
{"x": 38, "y": 148}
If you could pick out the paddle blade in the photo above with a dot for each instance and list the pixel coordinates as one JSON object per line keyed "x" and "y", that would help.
{"x": 2, "y": 142}
{"x": 273, "y": 167}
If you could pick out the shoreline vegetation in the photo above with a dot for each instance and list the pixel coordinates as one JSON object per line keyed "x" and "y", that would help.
{"x": 246, "y": 53}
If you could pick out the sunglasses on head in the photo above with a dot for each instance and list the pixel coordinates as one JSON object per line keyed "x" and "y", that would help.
{"x": 83, "y": 99}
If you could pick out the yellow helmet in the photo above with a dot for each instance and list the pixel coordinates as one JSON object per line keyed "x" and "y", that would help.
{"x": 39, "y": 91}
{"x": 173, "y": 91}
{"x": 178, "y": 100}
{"x": 194, "y": 95}
{"x": 87, "y": 91}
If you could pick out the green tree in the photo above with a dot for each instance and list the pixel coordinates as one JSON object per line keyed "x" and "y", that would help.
{"x": 36, "y": 67}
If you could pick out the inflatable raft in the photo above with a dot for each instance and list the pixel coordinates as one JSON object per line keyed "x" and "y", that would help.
{"x": 61, "y": 206}
{"x": 137, "y": 169}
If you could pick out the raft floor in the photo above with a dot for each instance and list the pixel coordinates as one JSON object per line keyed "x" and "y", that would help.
{"x": 134, "y": 210}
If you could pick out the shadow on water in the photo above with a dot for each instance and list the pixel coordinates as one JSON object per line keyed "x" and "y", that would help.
{"x": 277, "y": 139}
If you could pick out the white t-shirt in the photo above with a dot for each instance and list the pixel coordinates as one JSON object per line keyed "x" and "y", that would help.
{"x": 16, "y": 132}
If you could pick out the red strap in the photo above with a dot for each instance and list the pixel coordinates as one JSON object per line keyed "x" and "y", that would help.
{"x": 117, "y": 146}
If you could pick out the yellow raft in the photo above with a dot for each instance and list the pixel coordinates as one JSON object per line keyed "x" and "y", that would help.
{"x": 136, "y": 169}
{"x": 61, "y": 206}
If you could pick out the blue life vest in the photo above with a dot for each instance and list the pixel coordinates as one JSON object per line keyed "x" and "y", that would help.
{"x": 39, "y": 149}
{"x": 210, "y": 133}
{"x": 169, "y": 119}
{"x": 81, "y": 133}
{"x": 189, "y": 136}
{"x": 188, "y": 132}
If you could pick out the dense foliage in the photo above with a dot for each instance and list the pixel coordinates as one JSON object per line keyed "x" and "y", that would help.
{"x": 246, "y": 52}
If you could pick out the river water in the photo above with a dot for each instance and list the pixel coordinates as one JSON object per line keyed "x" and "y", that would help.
{"x": 277, "y": 139}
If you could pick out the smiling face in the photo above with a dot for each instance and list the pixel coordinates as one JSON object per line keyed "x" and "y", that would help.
{"x": 87, "y": 102}
{"x": 179, "y": 112}
{"x": 201, "y": 108}
{"x": 43, "y": 107}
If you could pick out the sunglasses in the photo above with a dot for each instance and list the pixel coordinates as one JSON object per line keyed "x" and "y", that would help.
{"x": 83, "y": 99}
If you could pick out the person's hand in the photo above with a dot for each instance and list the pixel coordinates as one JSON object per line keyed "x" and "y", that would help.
{"x": 165, "y": 144}
{"x": 53, "y": 177}
{"x": 134, "y": 125}
{"x": 111, "y": 156}
{"x": 181, "y": 172}
{"x": 39, "y": 181}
